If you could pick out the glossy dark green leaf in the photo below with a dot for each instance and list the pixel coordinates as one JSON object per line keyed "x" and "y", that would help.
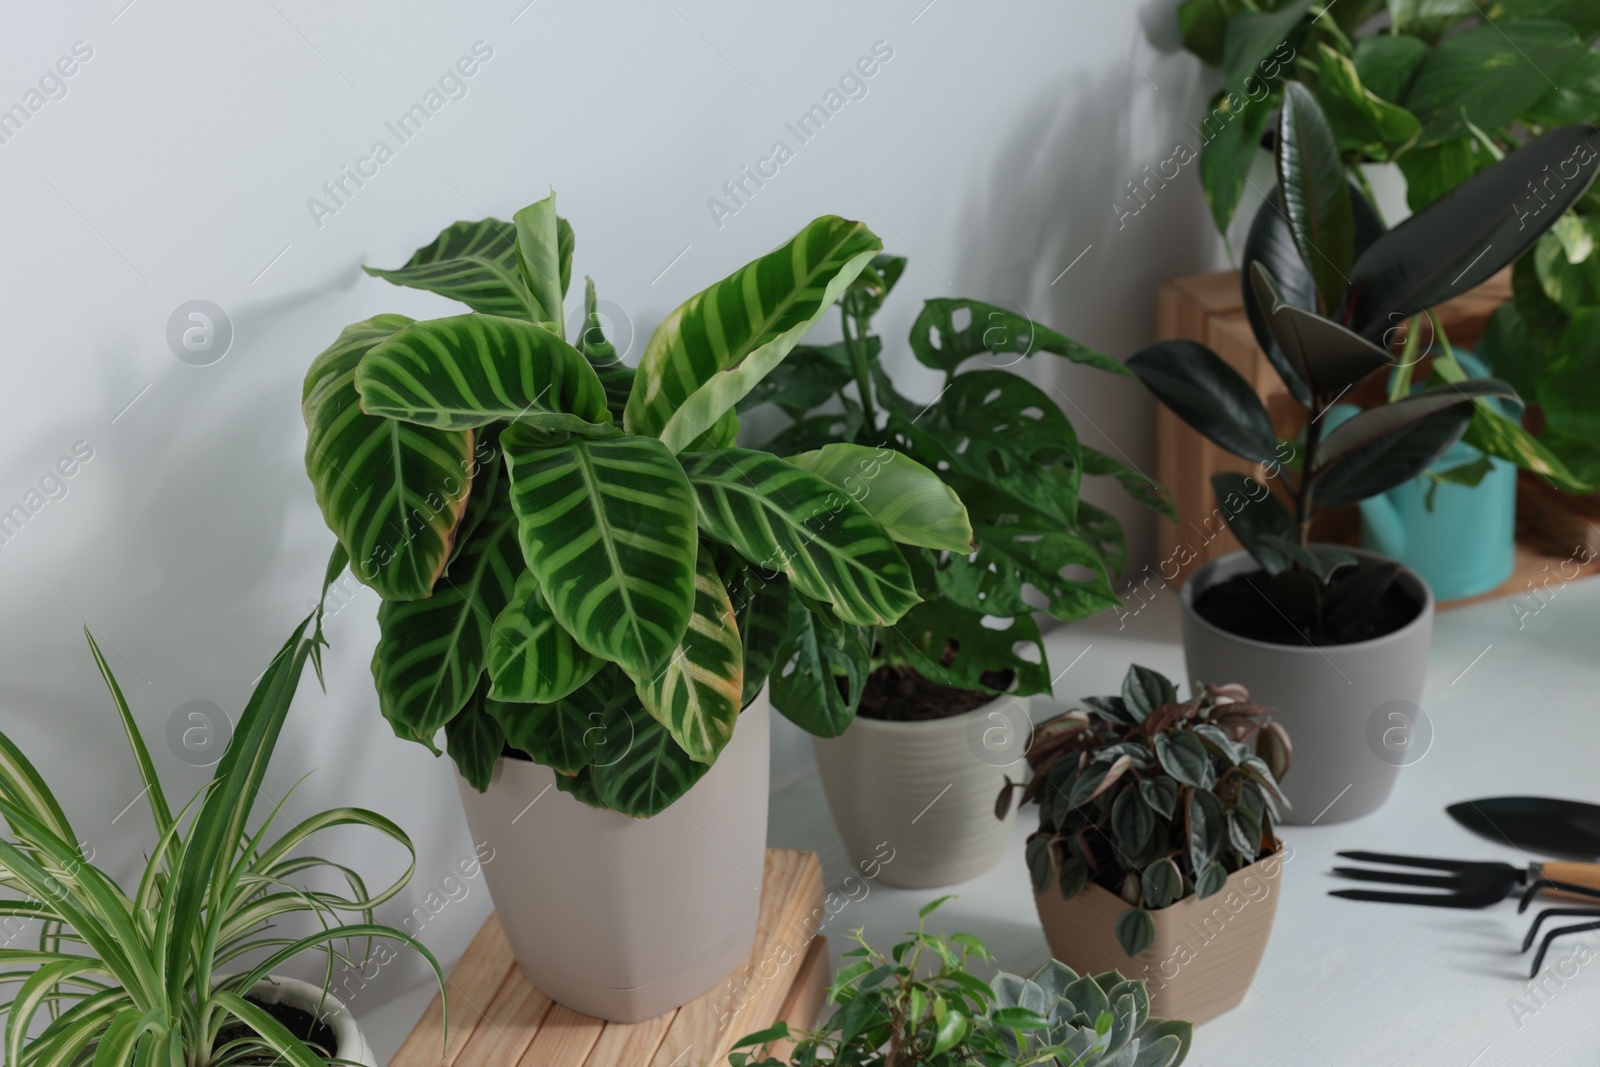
{"x": 1576, "y": 98}
{"x": 1039, "y": 863}
{"x": 1490, "y": 75}
{"x": 1207, "y": 827}
{"x": 1326, "y": 356}
{"x": 1403, "y": 452}
{"x": 1471, "y": 232}
{"x": 1252, "y": 36}
{"x": 1433, "y": 170}
{"x": 1202, "y": 390}
{"x": 1183, "y": 756}
{"x": 1160, "y": 795}
{"x": 1131, "y": 821}
{"x": 1374, "y": 425}
{"x": 474, "y": 739}
{"x": 1314, "y": 187}
{"x": 949, "y": 332}
{"x": 1388, "y": 63}
{"x": 1161, "y": 883}
{"x": 1252, "y": 513}
{"x": 1145, "y": 690}
{"x": 1135, "y": 931}
{"x": 1569, "y": 385}
{"x": 1361, "y": 120}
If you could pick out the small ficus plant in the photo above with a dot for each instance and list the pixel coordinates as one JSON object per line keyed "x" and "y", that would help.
{"x": 1150, "y": 797}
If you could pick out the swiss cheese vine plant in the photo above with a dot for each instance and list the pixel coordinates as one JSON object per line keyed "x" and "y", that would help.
{"x": 577, "y": 562}
{"x": 995, "y": 439}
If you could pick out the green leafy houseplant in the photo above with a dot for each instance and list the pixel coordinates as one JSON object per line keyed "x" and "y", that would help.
{"x": 998, "y": 442}
{"x": 1326, "y": 287}
{"x": 1441, "y": 89}
{"x": 137, "y": 978}
{"x": 577, "y": 562}
{"x": 920, "y": 1004}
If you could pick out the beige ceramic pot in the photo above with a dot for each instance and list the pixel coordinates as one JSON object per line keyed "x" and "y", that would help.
{"x": 350, "y": 1044}
{"x": 620, "y": 918}
{"x": 926, "y": 791}
{"x": 1205, "y": 952}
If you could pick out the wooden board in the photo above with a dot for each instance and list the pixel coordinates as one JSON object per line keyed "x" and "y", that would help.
{"x": 1210, "y": 309}
{"x": 498, "y": 1020}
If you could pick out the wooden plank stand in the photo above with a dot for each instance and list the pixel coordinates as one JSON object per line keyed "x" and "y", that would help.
{"x": 498, "y": 1020}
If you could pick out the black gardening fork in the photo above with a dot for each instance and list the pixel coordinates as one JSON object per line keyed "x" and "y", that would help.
{"x": 1479, "y": 884}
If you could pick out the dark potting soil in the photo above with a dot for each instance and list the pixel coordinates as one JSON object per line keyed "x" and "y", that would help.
{"x": 1240, "y": 606}
{"x": 302, "y": 1024}
{"x": 899, "y": 694}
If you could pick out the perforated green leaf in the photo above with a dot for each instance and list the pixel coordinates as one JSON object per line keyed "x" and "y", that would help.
{"x": 819, "y": 654}
{"x": 778, "y": 516}
{"x": 472, "y": 370}
{"x": 473, "y": 262}
{"x": 531, "y": 658}
{"x": 713, "y": 349}
{"x": 607, "y": 527}
{"x": 391, "y": 492}
{"x": 698, "y": 692}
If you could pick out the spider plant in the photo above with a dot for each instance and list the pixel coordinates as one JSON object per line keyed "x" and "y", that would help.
{"x": 139, "y": 978}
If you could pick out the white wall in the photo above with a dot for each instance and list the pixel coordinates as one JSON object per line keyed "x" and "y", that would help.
{"x": 178, "y": 166}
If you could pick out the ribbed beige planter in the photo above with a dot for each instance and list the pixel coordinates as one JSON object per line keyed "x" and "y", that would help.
{"x": 1351, "y": 711}
{"x": 349, "y": 1043}
{"x": 1205, "y": 953}
{"x": 926, "y": 790}
{"x": 620, "y": 918}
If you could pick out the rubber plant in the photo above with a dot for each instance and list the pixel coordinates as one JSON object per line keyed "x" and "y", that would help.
{"x": 1327, "y": 289}
{"x": 1442, "y": 90}
{"x": 141, "y": 977}
{"x": 1151, "y": 797}
{"x": 921, "y": 1004}
{"x": 996, "y": 440}
{"x": 577, "y": 562}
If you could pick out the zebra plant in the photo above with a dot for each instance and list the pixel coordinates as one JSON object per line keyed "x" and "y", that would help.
{"x": 577, "y": 562}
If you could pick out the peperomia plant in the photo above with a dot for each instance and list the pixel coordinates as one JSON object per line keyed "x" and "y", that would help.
{"x": 577, "y": 563}
{"x": 921, "y": 1004}
{"x": 1150, "y": 797}
{"x": 1327, "y": 289}
{"x": 141, "y": 977}
{"x": 996, "y": 440}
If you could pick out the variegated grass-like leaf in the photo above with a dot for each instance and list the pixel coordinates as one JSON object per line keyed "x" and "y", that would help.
{"x": 909, "y": 501}
{"x": 698, "y": 692}
{"x": 392, "y": 492}
{"x": 607, "y": 527}
{"x": 473, "y": 262}
{"x": 431, "y": 653}
{"x": 713, "y": 349}
{"x": 472, "y": 370}
{"x": 531, "y": 658}
{"x": 778, "y": 516}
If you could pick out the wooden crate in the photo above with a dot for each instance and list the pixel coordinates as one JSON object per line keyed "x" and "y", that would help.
{"x": 498, "y": 1020}
{"x": 1209, "y": 308}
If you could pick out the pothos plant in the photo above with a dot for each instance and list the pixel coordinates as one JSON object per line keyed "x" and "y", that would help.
{"x": 163, "y": 974}
{"x": 577, "y": 562}
{"x": 1327, "y": 289}
{"x": 996, "y": 440}
{"x": 921, "y": 1004}
{"x": 1151, "y": 797}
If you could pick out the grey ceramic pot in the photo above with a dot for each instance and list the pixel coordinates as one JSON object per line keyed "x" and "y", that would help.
{"x": 1353, "y": 712}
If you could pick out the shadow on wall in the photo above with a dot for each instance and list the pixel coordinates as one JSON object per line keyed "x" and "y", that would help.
{"x": 1060, "y": 228}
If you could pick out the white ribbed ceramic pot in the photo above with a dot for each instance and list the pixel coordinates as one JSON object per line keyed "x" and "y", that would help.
{"x": 350, "y": 1043}
{"x": 926, "y": 790}
{"x": 621, "y": 918}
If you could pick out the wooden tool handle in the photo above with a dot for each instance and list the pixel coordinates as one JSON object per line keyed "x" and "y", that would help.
{"x": 1584, "y": 874}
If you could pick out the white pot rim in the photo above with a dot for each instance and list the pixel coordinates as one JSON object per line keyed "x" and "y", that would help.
{"x": 913, "y": 725}
{"x": 1204, "y": 577}
{"x": 352, "y": 1044}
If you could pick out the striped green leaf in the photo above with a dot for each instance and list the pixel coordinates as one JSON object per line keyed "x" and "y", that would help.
{"x": 616, "y": 377}
{"x": 761, "y": 611}
{"x": 909, "y": 501}
{"x": 577, "y": 732}
{"x": 391, "y": 492}
{"x": 715, "y": 348}
{"x": 539, "y": 257}
{"x": 474, "y": 739}
{"x": 698, "y": 692}
{"x": 641, "y": 771}
{"x": 431, "y": 653}
{"x": 471, "y": 370}
{"x": 781, "y": 517}
{"x": 531, "y": 658}
{"x": 819, "y": 653}
{"x": 473, "y": 262}
{"x": 607, "y": 528}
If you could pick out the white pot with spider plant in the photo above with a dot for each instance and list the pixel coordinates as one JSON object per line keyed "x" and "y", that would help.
{"x": 148, "y": 977}
{"x": 594, "y": 582}
{"x": 1336, "y": 640}
{"x": 919, "y": 722}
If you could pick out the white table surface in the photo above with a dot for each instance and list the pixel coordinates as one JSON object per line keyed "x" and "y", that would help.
{"x": 1511, "y": 697}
